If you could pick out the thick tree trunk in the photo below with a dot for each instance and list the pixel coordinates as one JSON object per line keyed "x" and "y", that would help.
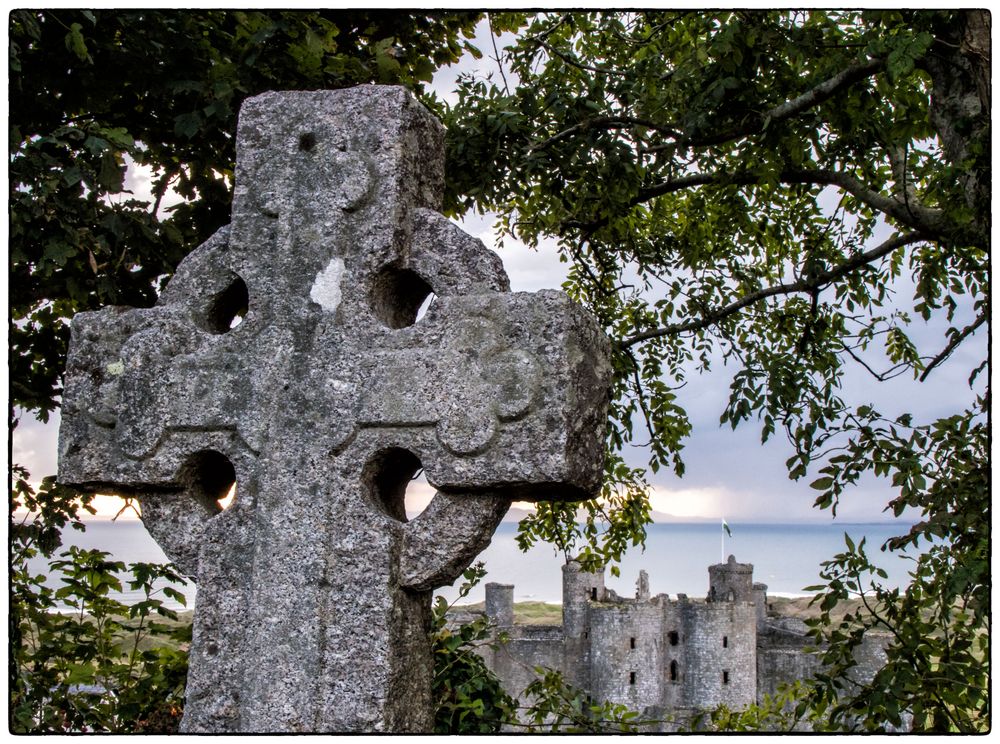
{"x": 959, "y": 66}
{"x": 976, "y": 47}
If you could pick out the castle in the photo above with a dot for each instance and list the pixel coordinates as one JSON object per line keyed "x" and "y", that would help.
{"x": 667, "y": 658}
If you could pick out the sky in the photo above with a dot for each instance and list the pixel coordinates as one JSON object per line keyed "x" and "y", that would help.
{"x": 729, "y": 474}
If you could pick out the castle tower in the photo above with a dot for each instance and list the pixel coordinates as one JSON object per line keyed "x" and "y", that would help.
{"x": 760, "y": 599}
{"x": 730, "y": 582}
{"x": 500, "y": 604}
{"x": 720, "y": 640}
{"x": 579, "y": 589}
{"x": 642, "y": 587}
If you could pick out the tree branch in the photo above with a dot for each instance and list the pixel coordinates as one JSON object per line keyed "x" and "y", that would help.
{"x": 812, "y": 97}
{"x": 576, "y": 63}
{"x": 496, "y": 54}
{"x": 922, "y": 219}
{"x": 545, "y": 33}
{"x": 914, "y": 216}
{"x": 606, "y": 122}
{"x": 894, "y": 371}
{"x": 162, "y": 184}
{"x": 897, "y": 161}
{"x": 810, "y": 284}
{"x": 955, "y": 341}
{"x": 824, "y": 91}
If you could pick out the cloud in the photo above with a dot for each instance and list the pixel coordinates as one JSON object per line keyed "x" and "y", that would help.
{"x": 418, "y": 495}
{"x": 445, "y": 79}
{"x": 529, "y": 269}
{"x": 689, "y": 502}
{"x": 34, "y": 445}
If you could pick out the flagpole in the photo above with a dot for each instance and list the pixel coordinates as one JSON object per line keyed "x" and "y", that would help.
{"x": 722, "y": 548}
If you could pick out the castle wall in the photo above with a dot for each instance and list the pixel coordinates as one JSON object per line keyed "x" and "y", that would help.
{"x": 730, "y": 582}
{"x": 760, "y": 601}
{"x": 720, "y": 651}
{"x": 870, "y": 655}
{"x": 785, "y": 664}
{"x": 674, "y": 664}
{"x": 514, "y": 662}
{"x": 659, "y": 656}
{"x": 626, "y": 662}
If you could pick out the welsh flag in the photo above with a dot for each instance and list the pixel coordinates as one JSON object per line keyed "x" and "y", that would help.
{"x": 725, "y": 526}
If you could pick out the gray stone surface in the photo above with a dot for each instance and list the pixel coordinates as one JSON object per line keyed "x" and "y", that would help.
{"x": 285, "y": 356}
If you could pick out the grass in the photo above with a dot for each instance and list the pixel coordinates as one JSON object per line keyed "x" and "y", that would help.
{"x": 527, "y": 613}
{"x": 148, "y": 640}
{"x": 799, "y": 607}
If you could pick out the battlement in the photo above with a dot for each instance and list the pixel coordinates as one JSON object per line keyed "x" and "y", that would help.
{"x": 731, "y": 566}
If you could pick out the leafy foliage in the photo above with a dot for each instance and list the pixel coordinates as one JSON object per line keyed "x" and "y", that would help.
{"x": 556, "y": 706}
{"x": 787, "y": 193}
{"x": 937, "y": 671}
{"x": 781, "y": 712}
{"x": 468, "y": 697}
{"x": 92, "y": 92}
{"x": 51, "y": 509}
{"x": 82, "y": 660}
{"x": 611, "y": 524}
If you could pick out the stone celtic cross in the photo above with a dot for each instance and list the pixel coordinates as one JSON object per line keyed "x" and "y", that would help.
{"x": 285, "y": 355}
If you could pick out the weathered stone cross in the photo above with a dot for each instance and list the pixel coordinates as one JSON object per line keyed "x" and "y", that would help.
{"x": 285, "y": 356}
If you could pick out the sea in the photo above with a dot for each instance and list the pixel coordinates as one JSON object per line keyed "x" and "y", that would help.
{"x": 786, "y": 557}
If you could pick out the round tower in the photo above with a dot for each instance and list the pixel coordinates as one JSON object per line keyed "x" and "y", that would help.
{"x": 760, "y": 599}
{"x": 579, "y": 589}
{"x": 730, "y": 582}
{"x": 500, "y": 604}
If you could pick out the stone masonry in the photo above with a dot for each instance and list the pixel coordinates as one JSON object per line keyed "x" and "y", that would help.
{"x": 666, "y": 658}
{"x": 285, "y": 356}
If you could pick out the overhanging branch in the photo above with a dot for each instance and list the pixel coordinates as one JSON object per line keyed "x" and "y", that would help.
{"x": 812, "y": 283}
{"x": 604, "y": 122}
{"x": 817, "y": 94}
{"x": 912, "y": 215}
{"x": 825, "y": 90}
{"x": 952, "y": 345}
{"x": 916, "y": 217}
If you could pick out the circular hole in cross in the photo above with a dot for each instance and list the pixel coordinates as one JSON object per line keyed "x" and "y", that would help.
{"x": 395, "y": 482}
{"x": 210, "y": 478}
{"x": 397, "y": 296}
{"x": 228, "y": 308}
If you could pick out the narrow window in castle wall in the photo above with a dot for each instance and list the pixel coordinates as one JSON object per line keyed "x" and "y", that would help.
{"x": 673, "y": 637}
{"x": 725, "y": 641}
{"x": 631, "y": 678}
{"x": 725, "y": 678}
{"x": 631, "y": 642}
{"x": 593, "y": 594}
{"x": 673, "y": 671}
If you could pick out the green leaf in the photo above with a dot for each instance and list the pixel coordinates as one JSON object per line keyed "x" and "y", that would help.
{"x": 76, "y": 43}
{"x": 187, "y": 125}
